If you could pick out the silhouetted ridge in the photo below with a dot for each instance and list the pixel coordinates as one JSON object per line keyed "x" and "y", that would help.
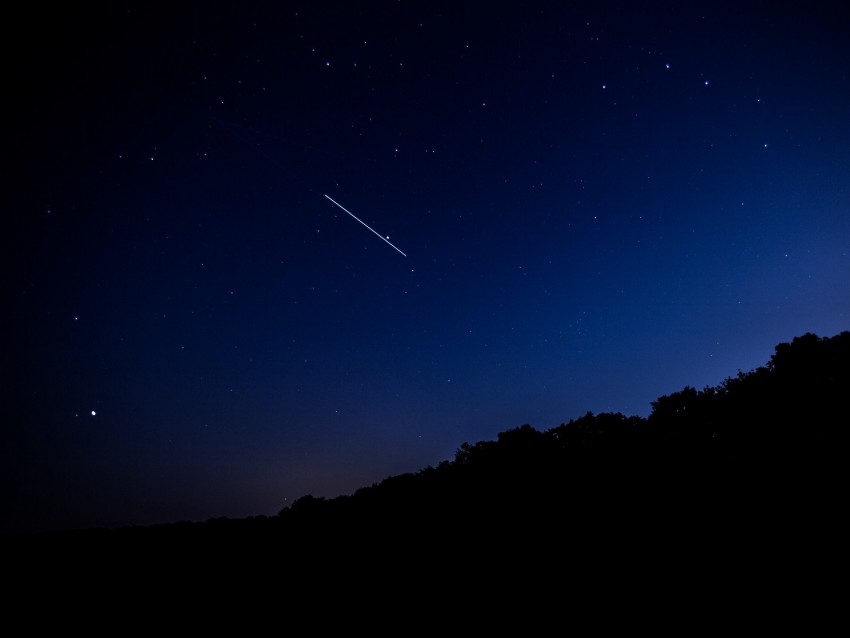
{"x": 763, "y": 444}
{"x": 760, "y": 440}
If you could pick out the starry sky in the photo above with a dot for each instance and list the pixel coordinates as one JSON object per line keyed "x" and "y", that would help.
{"x": 597, "y": 203}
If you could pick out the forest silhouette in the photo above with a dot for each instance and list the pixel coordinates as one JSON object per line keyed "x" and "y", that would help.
{"x": 748, "y": 472}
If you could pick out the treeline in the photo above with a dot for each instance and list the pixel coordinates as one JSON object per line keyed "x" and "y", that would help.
{"x": 720, "y": 497}
{"x": 762, "y": 442}
{"x": 761, "y": 438}
{"x": 724, "y": 502}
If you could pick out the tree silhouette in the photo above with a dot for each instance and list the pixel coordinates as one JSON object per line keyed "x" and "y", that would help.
{"x": 756, "y": 462}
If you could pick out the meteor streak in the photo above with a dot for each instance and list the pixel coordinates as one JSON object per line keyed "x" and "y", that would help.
{"x": 365, "y": 224}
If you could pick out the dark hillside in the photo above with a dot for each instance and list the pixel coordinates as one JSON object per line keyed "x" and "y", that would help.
{"x": 731, "y": 476}
{"x": 777, "y": 431}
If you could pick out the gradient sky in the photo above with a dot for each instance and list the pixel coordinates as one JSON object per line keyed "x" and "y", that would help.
{"x": 599, "y": 203}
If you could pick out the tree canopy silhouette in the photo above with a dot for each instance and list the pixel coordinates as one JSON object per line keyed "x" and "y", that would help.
{"x": 764, "y": 447}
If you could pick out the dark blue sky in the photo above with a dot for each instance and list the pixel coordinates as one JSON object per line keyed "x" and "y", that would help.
{"x": 599, "y": 203}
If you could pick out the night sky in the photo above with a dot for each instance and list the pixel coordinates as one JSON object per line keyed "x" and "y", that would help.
{"x": 598, "y": 204}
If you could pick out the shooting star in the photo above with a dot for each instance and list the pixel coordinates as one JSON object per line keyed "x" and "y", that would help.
{"x": 365, "y": 224}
